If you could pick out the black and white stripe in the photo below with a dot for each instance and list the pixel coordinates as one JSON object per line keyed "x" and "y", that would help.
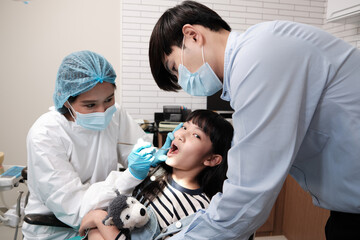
{"x": 176, "y": 202}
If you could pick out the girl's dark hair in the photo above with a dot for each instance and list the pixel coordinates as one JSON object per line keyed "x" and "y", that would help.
{"x": 211, "y": 179}
{"x": 168, "y": 33}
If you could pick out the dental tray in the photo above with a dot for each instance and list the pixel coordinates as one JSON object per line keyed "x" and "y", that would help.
{"x": 11, "y": 177}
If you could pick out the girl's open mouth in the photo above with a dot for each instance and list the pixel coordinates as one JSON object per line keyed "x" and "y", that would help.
{"x": 173, "y": 149}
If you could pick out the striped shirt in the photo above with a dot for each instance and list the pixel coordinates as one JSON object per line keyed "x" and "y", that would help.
{"x": 176, "y": 202}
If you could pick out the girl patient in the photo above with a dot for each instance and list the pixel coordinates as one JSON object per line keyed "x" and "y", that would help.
{"x": 192, "y": 174}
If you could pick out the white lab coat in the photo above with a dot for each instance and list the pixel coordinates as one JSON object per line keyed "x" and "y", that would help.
{"x": 68, "y": 166}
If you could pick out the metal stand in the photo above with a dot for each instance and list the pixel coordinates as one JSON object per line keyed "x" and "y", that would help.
{"x": 18, "y": 212}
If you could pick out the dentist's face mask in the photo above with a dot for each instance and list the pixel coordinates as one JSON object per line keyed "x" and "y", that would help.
{"x": 96, "y": 121}
{"x": 203, "y": 82}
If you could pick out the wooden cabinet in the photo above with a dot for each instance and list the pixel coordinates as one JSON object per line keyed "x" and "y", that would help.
{"x": 274, "y": 224}
{"x": 302, "y": 220}
{"x": 294, "y": 215}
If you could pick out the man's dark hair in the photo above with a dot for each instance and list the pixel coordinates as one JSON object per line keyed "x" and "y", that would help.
{"x": 168, "y": 33}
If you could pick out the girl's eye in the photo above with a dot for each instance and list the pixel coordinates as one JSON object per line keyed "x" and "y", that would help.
{"x": 184, "y": 127}
{"x": 197, "y": 136}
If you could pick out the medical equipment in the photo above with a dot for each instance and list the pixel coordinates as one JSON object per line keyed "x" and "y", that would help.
{"x": 40, "y": 219}
{"x": 8, "y": 180}
{"x": 174, "y": 113}
{"x": 124, "y": 143}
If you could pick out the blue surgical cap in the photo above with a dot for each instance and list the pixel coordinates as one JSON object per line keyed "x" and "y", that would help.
{"x": 78, "y": 73}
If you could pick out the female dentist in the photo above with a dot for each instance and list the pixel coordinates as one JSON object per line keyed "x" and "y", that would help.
{"x": 75, "y": 145}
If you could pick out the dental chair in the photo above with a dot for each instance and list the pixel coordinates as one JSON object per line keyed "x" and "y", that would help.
{"x": 40, "y": 219}
{"x": 43, "y": 219}
{"x": 50, "y": 219}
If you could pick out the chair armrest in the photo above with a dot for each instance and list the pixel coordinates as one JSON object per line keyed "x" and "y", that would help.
{"x": 24, "y": 173}
{"x": 44, "y": 220}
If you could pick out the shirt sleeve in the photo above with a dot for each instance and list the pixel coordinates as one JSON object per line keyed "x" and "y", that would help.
{"x": 273, "y": 102}
{"x": 124, "y": 182}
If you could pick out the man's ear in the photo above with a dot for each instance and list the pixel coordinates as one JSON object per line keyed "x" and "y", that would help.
{"x": 213, "y": 160}
{"x": 193, "y": 33}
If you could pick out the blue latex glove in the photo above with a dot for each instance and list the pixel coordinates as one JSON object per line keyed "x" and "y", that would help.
{"x": 160, "y": 155}
{"x": 140, "y": 159}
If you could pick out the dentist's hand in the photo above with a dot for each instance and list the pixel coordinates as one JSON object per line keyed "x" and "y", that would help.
{"x": 140, "y": 159}
{"x": 160, "y": 155}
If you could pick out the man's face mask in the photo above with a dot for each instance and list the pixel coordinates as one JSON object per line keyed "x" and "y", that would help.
{"x": 96, "y": 121}
{"x": 203, "y": 82}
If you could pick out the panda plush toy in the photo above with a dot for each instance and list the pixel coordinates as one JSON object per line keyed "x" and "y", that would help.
{"x": 126, "y": 213}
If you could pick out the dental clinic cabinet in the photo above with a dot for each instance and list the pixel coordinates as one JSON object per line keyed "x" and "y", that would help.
{"x": 294, "y": 216}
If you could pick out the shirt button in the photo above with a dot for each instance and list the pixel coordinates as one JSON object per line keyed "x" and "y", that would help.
{"x": 178, "y": 224}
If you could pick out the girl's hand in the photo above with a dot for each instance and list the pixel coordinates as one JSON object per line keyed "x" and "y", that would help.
{"x": 92, "y": 220}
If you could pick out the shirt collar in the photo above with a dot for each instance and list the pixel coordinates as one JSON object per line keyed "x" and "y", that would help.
{"x": 182, "y": 189}
{"x": 230, "y": 46}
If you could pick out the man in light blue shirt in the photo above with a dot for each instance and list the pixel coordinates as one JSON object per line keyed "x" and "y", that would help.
{"x": 295, "y": 91}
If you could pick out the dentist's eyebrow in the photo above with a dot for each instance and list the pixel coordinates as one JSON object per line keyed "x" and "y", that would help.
{"x": 88, "y": 101}
{"x": 94, "y": 101}
{"x": 111, "y": 95}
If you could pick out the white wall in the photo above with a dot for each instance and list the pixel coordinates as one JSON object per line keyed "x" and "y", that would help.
{"x": 347, "y": 29}
{"x": 34, "y": 38}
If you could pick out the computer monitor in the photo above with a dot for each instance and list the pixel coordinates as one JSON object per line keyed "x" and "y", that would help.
{"x": 222, "y": 107}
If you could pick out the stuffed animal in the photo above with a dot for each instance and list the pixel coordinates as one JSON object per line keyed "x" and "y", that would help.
{"x": 125, "y": 213}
